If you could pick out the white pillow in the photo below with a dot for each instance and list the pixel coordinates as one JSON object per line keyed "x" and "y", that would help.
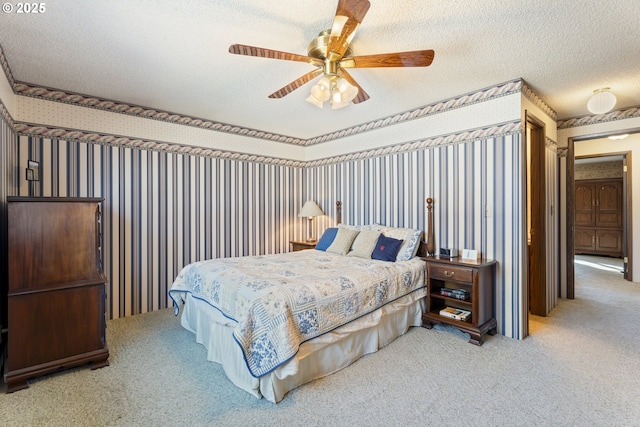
{"x": 410, "y": 236}
{"x": 364, "y": 244}
{"x": 342, "y": 243}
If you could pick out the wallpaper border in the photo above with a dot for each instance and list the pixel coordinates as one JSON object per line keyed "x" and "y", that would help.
{"x": 28, "y": 129}
{"x": 501, "y": 129}
{"x": 31, "y": 129}
{"x": 626, "y": 113}
{"x": 5, "y": 67}
{"x": 67, "y": 97}
{"x": 4, "y": 112}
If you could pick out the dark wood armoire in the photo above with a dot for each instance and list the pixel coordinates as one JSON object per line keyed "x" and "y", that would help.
{"x": 598, "y": 224}
{"x": 56, "y": 290}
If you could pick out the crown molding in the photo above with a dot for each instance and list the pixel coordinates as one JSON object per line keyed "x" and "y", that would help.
{"x": 538, "y": 101}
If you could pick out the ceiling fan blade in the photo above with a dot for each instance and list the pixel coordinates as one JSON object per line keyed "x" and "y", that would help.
{"x": 349, "y": 15}
{"x": 243, "y": 49}
{"x": 416, "y": 58}
{"x": 362, "y": 95}
{"x": 296, "y": 84}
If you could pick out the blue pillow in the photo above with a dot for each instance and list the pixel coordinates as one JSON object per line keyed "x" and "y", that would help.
{"x": 386, "y": 248}
{"x": 327, "y": 239}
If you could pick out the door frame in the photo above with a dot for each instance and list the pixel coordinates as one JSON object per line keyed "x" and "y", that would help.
{"x": 570, "y": 213}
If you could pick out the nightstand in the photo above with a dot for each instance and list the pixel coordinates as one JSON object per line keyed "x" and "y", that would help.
{"x": 464, "y": 285}
{"x": 298, "y": 245}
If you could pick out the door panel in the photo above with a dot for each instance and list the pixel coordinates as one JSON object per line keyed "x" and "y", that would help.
{"x": 585, "y": 202}
{"x": 609, "y": 202}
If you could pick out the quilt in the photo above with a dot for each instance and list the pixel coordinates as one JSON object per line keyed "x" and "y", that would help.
{"x": 277, "y": 302}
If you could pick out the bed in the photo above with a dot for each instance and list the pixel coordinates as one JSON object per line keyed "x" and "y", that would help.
{"x": 275, "y": 322}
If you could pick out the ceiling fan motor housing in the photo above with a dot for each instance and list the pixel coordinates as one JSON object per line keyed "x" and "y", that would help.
{"x": 318, "y": 46}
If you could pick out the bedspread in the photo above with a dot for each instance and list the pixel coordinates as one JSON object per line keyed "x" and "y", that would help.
{"x": 277, "y": 302}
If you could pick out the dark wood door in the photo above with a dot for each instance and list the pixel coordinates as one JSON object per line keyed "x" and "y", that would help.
{"x": 537, "y": 211}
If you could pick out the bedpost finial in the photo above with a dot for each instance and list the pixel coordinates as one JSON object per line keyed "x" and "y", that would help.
{"x": 431, "y": 245}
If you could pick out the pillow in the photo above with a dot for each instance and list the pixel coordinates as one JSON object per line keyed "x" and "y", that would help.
{"x": 327, "y": 238}
{"x": 410, "y": 237}
{"x": 364, "y": 244}
{"x": 386, "y": 248}
{"x": 342, "y": 243}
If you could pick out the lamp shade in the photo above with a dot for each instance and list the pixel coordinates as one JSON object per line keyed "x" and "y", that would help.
{"x": 602, "y": 101}
{"x": 310, "y": 208}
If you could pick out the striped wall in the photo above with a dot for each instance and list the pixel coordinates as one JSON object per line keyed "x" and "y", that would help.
{"x": 163, "y": 210}
{"x": 477, "y": 191}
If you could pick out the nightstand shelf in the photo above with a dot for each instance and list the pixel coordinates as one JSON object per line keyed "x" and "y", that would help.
{"x": 476, "y": 278}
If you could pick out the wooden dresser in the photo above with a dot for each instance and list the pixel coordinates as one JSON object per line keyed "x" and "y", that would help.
{"x": 56, "y": 290}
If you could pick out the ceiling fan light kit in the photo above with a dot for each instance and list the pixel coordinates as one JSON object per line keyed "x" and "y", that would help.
{"x": 331, "y": 54}
{"x": 337, "y": 90}
{"x": 602, "y": 101}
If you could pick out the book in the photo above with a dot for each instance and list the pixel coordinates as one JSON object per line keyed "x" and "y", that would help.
{"x": 460, "y": 294}
{"x": 455, "y": 313}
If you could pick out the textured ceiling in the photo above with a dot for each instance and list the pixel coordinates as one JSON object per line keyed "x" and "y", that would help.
{"x": 173, "y": 55}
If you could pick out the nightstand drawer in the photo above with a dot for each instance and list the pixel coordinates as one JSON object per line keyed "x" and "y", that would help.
{"x": 447, "y": 272}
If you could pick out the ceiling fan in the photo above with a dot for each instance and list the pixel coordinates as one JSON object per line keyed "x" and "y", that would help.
{"x": 331, "y": 55}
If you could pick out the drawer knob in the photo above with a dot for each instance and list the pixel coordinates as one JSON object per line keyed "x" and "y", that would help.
{"x": 449, "y": 273}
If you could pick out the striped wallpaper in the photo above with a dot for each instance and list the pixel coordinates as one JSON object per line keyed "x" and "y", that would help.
{"x": 163, "y": 210}
{"x": 477, "y": 192}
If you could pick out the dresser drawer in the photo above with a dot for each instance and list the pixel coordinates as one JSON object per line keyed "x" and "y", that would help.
{"x": 446, "y": 272}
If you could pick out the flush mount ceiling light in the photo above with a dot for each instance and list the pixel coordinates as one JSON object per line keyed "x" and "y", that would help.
{"x": 602, "y": 101}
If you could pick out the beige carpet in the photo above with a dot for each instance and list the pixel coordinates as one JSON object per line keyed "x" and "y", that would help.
{"x": 579, "y": 367}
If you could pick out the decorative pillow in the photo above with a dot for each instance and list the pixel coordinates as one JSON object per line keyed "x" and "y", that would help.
{"x": 364, "y": 244}
{"x": 410, "y": 237}
{"x": 386, "y": 248}
{"x": 327, "y": 238}
{"x": 342, "y": 243}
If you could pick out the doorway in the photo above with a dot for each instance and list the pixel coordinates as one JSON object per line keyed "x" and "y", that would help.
{"x": 571, "y": 203}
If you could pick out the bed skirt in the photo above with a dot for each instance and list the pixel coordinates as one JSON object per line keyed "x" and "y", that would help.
{"x": 316, "y": 358}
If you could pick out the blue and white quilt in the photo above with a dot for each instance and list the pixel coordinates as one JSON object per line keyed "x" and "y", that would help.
{"x": 280, "y": 301}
